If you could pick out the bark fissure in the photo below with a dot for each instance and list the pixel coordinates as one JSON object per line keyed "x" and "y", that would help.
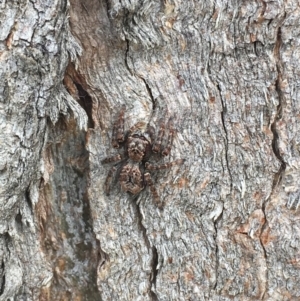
{"x": 103, "y": 257}
{"x": 28, "y": 199}
{"x": 154, "y": 272}
{"x": 75, "y": 84}
{"x": 86, "y": 102}
{"x": 217, "y": 247}
{"x": 226, "y": 135}
{"x": 217, "y": 257}
{"x": 278, "y": 109}
{"x": 153, "y": 248}
{"x": 278, "y": 176}
{"x": 126, "y": 57}
{"x": 143, "y": 79}
{"x": 275, "y": 148}
{"x": 150, "y": 94}
{"x": 263, "y": 248}
{"x": 37, "y": 22}
{"x": 262, "y": 230}
{"x": 107, "y": 3}
{"x": 140, "y": 224}
{"x": 3, "y": 278}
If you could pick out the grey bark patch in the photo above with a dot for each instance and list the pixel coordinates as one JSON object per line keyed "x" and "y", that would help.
{"x": 229, "y": 71}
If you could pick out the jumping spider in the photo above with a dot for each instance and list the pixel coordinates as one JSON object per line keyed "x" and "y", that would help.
{"x": 139, "y": 146}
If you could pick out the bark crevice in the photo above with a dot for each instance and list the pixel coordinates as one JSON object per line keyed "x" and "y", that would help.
{"x": 264, "y": 249}
{"x": 28, "y": 199}
{"x": 153, "y": 249}
{"x": 86, "y": 102}
{"x": 217, "y": 247}
{"x": 154, "y": 272}
{"x": 150, "y": 94}
{"x": 143, "y": 79}
{"x": 77, "y": 87}
{"x": 275, "y": 141}
{"x": 140, "y": 224}
{"x": 278, "y": 115}
{"x": 126, "y": 57}
{"x": 2, "y": 286}
{"x": 226, "y": 135}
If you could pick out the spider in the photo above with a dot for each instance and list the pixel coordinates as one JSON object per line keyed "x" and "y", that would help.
{"x": 139, "y": 146}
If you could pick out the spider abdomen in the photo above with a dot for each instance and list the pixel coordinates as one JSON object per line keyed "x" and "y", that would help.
{"x": 131, "y": 178}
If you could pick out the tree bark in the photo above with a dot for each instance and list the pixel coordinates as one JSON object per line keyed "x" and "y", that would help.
{"x": 227, "y": 72}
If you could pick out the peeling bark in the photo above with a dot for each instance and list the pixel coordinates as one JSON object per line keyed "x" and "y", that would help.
{"x": 227, "y": 71}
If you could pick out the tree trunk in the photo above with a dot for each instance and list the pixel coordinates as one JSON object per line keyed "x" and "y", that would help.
{"x": 227, "y": 74}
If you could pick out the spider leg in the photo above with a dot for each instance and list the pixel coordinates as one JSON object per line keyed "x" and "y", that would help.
{"x": 136, "y": 127}
{"x": 109, "y": 179}
{"x": 114, "y": 158}
{"x": 118, "y": 129}
{"x": 167, "y": 149}
{"x": 153, "y": 190}
{"x": 157, "y": 145}
{"x": 167, "y": 165}
{"x": 151, "y": 132}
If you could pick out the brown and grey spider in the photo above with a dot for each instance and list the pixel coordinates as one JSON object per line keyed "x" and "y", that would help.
{"x": 139, "y": 146}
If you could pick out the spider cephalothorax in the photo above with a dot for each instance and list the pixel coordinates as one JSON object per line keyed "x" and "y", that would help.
{"x": 138, "y": 145}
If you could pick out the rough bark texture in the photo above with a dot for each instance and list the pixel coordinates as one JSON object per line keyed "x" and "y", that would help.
{"x": 229, "y": 73}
